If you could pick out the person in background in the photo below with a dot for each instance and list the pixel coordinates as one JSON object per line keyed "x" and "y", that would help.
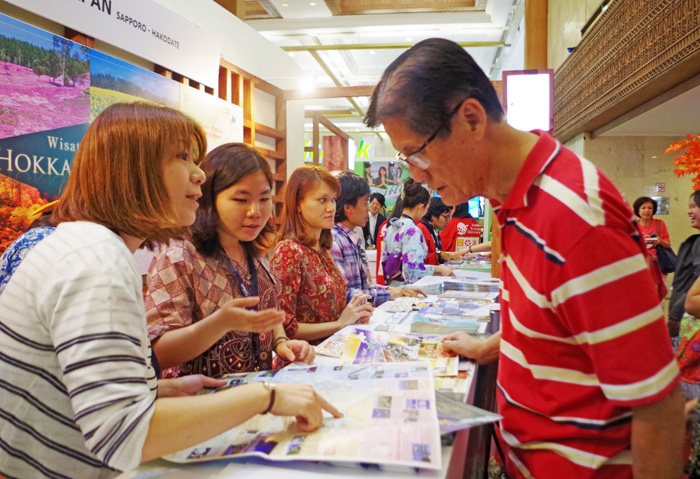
{"x": 39, "y": 229}
{"x": 458, "y": 226}
{"x": 436, "y": 219}
{"x": 395, "y": 174}
{"x": 653, "y": 231}
{"x": 688, "y": 355}
{"x": 577, "y": 395}
{"x": 312, "y": 289}
{"x": 405, "y": 251}
{"x": 381, "y": 180}
{"x": 375, "y": 219}
{"x": 351, "y": 212}
{"x": 200, "y": 290}
{"x": 687, "y": 270}
{"x": 368, "y": 174}
{"x": 79, "y": 395}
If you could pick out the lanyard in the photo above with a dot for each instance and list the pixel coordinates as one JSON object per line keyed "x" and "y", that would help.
{"x": 253, "y": 281}
{"x": 254, "y": 337}
{"x": 436, "y": 237}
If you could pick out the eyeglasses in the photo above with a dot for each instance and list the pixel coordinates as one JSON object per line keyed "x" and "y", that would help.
{"x": 417, "y": 158}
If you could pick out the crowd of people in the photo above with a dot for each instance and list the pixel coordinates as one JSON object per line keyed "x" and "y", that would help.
{"x": 98, "y": 378}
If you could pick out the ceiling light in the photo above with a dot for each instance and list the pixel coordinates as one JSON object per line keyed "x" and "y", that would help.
{"x": 285, "y": 4}
{"x": 409, "y": 39}
{"x": 371, "y": 52}
{"x": 307, "y": 84}
{"x": 291, "y": 54}
{"x": 312, "y": 4}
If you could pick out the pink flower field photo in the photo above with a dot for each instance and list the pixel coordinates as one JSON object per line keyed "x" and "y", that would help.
{"x": 32, "y": 103}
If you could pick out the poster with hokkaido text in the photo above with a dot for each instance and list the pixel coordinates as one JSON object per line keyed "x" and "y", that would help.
{"x": 50, "y": 90}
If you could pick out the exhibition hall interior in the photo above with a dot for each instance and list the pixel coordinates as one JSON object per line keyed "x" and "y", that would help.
{"x": 344, "y": 238}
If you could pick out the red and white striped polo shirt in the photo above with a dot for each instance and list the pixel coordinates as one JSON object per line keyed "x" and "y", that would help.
{"x": 583, "y": 336}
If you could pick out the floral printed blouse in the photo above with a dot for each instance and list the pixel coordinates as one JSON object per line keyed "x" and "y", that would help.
{"x": 184, "y": 287}
{"x": 312, "y": 289}
{"x": 404, "y": 238}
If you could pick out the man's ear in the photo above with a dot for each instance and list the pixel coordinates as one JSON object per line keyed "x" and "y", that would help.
{"x": 475, "y": 116}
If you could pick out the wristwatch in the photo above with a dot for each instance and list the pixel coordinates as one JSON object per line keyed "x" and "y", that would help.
{"x": 272, "y": 387}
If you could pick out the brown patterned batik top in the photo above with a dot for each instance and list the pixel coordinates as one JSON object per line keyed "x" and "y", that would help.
{"x": 184, "y": 287}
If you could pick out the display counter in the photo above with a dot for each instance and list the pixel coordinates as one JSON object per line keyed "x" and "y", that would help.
{"x": 466, "y": 458}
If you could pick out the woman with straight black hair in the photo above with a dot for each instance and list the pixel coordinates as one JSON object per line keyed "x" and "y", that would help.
{"x": 435, "y": 220}
{"x": 203, "y": 294}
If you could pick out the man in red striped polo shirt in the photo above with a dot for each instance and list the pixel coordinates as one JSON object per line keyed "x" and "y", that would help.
{"x": 587, "y": 382}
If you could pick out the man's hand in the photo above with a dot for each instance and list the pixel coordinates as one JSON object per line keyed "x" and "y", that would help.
{"x": 483, "y": 352}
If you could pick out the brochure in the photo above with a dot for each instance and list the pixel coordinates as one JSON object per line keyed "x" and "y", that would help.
{"x": 365, "y": 346}
{"x": 425, "y": 324}
{"x": 389, "y": 419}
{"x": 462, "y": 284}
{"x": 456, "y": 415}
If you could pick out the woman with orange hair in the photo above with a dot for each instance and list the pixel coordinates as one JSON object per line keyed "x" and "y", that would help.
{"x": 312, "y": 291}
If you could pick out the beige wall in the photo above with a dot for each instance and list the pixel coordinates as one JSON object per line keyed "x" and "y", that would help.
{"x": 635, "y": 164}
{"x": 566, "y": 19}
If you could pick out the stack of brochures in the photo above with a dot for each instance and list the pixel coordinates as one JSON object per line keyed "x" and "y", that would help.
{"x": 462, "y": 284}
{"x": 468, "y": 295}
{"x": 440, "y": 325}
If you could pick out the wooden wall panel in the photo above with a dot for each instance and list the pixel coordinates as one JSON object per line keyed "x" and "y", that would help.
{"x": 637, "y": 50}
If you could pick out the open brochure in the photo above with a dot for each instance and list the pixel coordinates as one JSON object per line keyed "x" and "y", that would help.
{"x": 364, "y": 346}
{"x": 390, "y": 419}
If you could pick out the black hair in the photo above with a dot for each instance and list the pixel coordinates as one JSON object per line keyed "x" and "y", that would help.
{"x": 414, "y": 194}
{"x": 696, "y": 197}
{"x": 640, "y": 201}
{"x": 379, "y": 197}
{"x": 436, "y": 75}
{"x": 436, "y": 209}
{"x": 352, "y": 188}
{"x": 461, "y": 211}
{"x": 225, "y": 166}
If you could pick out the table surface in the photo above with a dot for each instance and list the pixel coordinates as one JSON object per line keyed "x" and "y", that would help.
{"x": 453, "y": 465}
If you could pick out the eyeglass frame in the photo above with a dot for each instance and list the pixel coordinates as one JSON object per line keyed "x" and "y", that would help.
{"x": 420, "y": 161}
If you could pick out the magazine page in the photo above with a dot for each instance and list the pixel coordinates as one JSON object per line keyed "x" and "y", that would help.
{"x": 389, "y": 419}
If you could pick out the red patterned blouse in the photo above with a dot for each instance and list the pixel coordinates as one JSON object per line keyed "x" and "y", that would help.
{"x": 312, "y": 289}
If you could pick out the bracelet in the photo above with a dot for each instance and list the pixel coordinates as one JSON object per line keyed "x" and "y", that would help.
{"x": 278, "y": 340}
{"x": 470, "y": 249}
{"x": 272, "y": 387}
